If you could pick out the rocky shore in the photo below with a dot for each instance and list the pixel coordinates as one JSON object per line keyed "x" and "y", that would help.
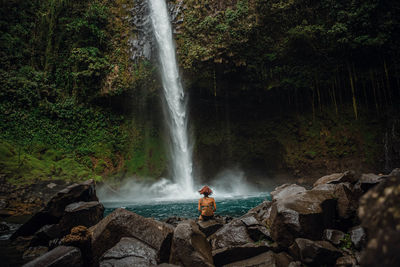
{"x": 343, "y": 220}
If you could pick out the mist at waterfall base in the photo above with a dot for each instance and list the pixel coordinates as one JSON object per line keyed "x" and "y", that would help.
{"x": 234, "y": 196}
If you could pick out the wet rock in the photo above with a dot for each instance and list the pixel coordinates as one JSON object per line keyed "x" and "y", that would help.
{"x": 357, "y": 236}
{"x": 80, "y": 237}
{"x": 81, "y": 213}
{"x": 122, "y": 223}
{"x": 286, "y": 190}
{"x": 267, "y": 259}
{"x": 315, "y": 253}
{"x": 301, "y": 214}
{"x": 190, "y": 246}
{"x": 45, "y": 234}
{"x": 333, "y": 236}
{"x": 336, "y": 178}
{"x": 54, "y": 209}
{"x": 4, "y": 228}
{"x": 368, "y": 181}
{"x": 34, "y": 252}
{"x": 262, "y": 211}
{"x": 60, "y": 256}
{"x": 346, "y": 261}
{"x": 347, "y": 198}
{"x": 174, "y": 221}
{"x": 209, "y": 227}
{"x": 129, "y": 252}
{"x": 379, "y": 212}
{"x": 238, "y": 232}
{"x": 226, "y": 255}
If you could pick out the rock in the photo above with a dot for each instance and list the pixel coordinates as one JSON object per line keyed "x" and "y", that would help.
{"x": 379, "y": 212}
{"x": 286, "y": 190}
{"x": 368, "y": 181}
{"x": 295, "y": 264}
{"x": 122, "y": 223}
{"x": 190, "y": 246}
{"x": 81, "y": 213}
{"x": 357, "y": 236}
{"x": 333, "y": 236}
{"x": 54, "y": 209}
{"x": 45, "y": 234}
{"x": 4, "y": 228}
{"x": 337, "y": 178}
{"x": 262, "y": 211}
{"x": 34, "y": 252}
{"x": 346, "y": 261}
{"x": 267, "y": 259}
{"x": 209, "y": 227}
{"x": 226, "y": 255}
{"x": 129, "y": 252}
{"x": 174, "y": 221}
{"x": 303, "y": 214}
{"x": 59, "y": 257}
{"x": 238, "y": 232}
{"x": 315, "y": 253}
{"x": 347, "y": 198}
{"x": 80, "y": 237}
{"x": 51, "y": 185}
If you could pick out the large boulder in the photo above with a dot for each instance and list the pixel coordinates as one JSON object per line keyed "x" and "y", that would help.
{"x": 299, "y": 213}
{"x": 123, "y": 223}
{"x": 266, "y": 259}
{"x": 129, "y": 252}
{"x": 314, "y": 253}
{"x": 240, "y": 239}
{"x": 379, "y": 212}
{"x": 223, "y": 256}
{"x": 190, "y": 246}
{"x": 209, "y": 227}
{"x": 347, "y": 198}
{"x": 59, "y": 257}
{"x": 81, "y": 213}
{"x": 337, "y": 178}
{"x": 54, "y": 210}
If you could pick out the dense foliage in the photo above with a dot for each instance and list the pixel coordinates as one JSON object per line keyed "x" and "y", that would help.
{"x": 62, "y": 64}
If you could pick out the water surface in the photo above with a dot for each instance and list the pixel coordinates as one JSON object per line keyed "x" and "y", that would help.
{"x": 229, "y": 206}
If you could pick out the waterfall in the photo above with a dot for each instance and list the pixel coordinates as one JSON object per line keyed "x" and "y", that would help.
{"x": 175, "y": 102}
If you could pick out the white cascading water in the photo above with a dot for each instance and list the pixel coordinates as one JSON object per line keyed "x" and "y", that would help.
{"x": 181, "y": 151}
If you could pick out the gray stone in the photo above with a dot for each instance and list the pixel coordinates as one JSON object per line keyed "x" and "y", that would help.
{"x": 129, "y": 252}
{"x": 303, "y": 214}
{"x": 285, "y": 191}
{"x": 358, "y": 236}
{"x": 267, "y": 259}
{"x": 316, "y": 253}
{"x": 336, "y": 178}
{"x": 81, "y": 213}
{"x": 333, "y": 236}
{"x": 123, "y": 223}
{"x": 190, "y": 246}
{"x": 209, "y": 227}
{"x": 226, "y": 255}
{"x": 59, "y": 257}
{"x": 34, "y": 252}
{"x": 346, "y": 261}
{"x": 54, "y": 210}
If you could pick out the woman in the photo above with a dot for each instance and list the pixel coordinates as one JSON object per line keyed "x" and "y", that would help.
{"x": 207, "y": 205}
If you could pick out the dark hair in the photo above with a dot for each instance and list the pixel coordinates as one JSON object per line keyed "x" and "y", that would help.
{"x": 205, "y": 194}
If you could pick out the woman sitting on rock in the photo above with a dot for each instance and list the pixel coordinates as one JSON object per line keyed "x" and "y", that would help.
{"x": 207, "y": 205}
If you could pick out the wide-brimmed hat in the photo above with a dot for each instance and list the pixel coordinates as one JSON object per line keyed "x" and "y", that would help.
{"x": 205, "y": 190}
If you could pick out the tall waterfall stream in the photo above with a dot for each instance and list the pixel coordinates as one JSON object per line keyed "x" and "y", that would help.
{"x": 174, "y": 96}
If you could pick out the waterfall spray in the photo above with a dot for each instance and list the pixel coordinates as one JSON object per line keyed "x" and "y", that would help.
{"x": 175, "y": 103}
